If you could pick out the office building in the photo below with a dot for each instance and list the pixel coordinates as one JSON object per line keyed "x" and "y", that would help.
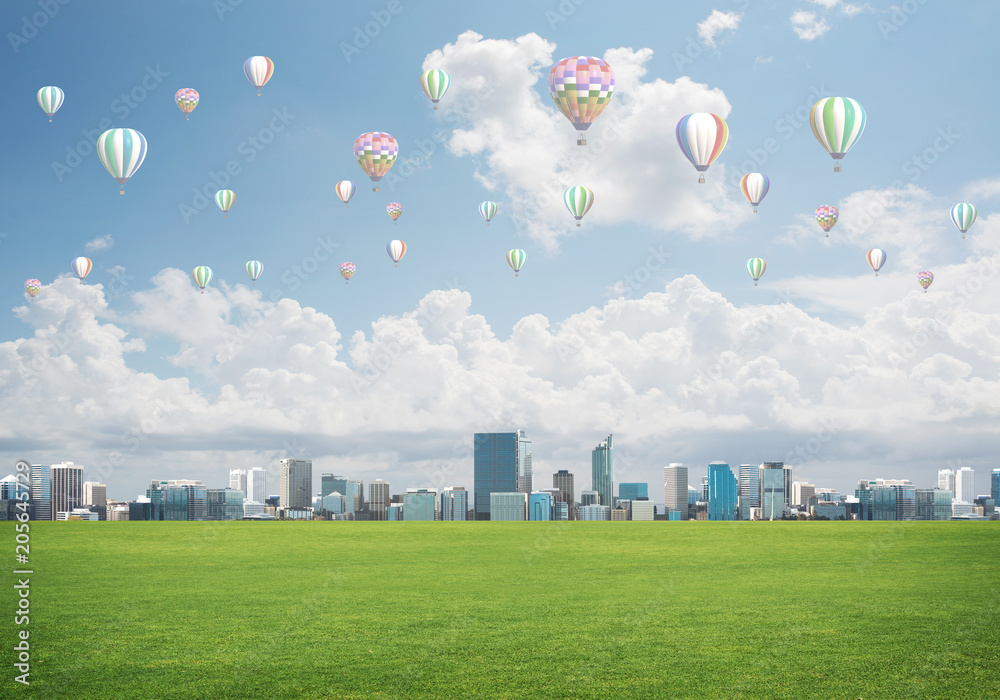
{"x": 749, "y": 490}
{"x": 643, "y": 510}
{"x": 41, "y": 492}
{"x": 540, "y": 506}
{"x": 334, "y": 503}
{"x": 906, "y": 500}
{"x": 508, "y": 506}
{"x": 589, "y": 498}
{"x": 602, "y": 467}
{"x": 883, "y": 502}
{"x": 933, "y": 504}
{"x": 560, "y": 510}
{"x": 295, "y": 484}
{"x": 563, "y": 480}
{"x": 118, "y": 513}
{"x": 454, "y": 503}
{"x": 622, "y": 511}
{"x": 946, "y": 481}
{"x": 352, "y": 490}
{"x": 694, "y": 495}
{"x": 723, "y": 492}
{"x": 830, "y": 511}
{"x": 801, "y": 493}
{"x": 256, "y": 485}
{"x": 224, "y": 504}
{"x": 675, "y": 489}
{"x": 67, "y": 486}
{"x": 379, "y": 499}
{"x": 420, "y": 504}
{"x": 394, "y": 512}
{"x": 821, "y": 493}
{"x": 772, "y": 490}
{"x": 995, "y": 486}
{"x": 238, "y": 480}
{"x": 524, "y": 480}
{"x": 965, "y": 488}
{"x": 496, "y": 465}
{"x": 633, "y": 491}
{"x": 594, "y": 512}
{"x": 704, "y": 489}
{"x": 95, "y": 494}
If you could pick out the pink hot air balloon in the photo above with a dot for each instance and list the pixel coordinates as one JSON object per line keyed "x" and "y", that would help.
{"x": 876, "y": 258}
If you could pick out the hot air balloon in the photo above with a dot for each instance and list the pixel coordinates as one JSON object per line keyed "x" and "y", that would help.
{"x": 347, "y": 269}
{"x": 837, "y": 123}
{"x": 81, "y": 267}
{"x": 375, "y": 152}
{"x": 754, "y": 187}
{"x": 702, "y": 136}
{"x": 876, "y": 258}
{"x": 346, "y": 190}
{"x": 394, "y": 210}
{"x": 225, "y": 199}
{"x": 581, "y": 87}
{"x": 435, "y": 83}
{"x": 50, "y": 98}
{"x": 258, "y": 70}
{"x": 254, "y": 268}
{"x": 515, "y": 258}
{"x": 122, "y": 152}
{"x": 396, "y": 250}
{"x": 964, "y": 215}
{"x": 488, "y": 210}
{"x": 187, "y": 100}
{"x": 32, "y": 287}
{"x": 924, "y": 278}
{"x": 579, "y": 200}
{"x": 202, "y": 275}
{"x": 756, "y": 267}
{"x": 826, "y": 217}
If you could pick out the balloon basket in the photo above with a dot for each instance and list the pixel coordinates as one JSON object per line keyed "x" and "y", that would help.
{"x": 435, "y": 108}
{"x": 581, "y": 140}
{"x": 187, "y": 119}
{"x": 827, "y": 235}
{"x": 963, "y": 236}
{"x": 50, "y": 120}
{"x": 374, "y": 189}
{"x": 755, "y": 284}
{"x": 836, "y": 168}
{"x": 121, "y": 191}
{"x": 701, "y": 179}
{"x": 578, "y": 225}
{"x": 755, "y": 210}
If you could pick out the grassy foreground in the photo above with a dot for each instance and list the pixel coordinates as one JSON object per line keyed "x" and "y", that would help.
{"x": 511, "y": 610}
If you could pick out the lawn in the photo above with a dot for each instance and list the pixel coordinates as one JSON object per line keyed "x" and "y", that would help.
{"x": 512, "y": 610}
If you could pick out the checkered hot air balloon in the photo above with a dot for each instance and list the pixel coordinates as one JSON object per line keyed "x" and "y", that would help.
{"x": 516, "y": 258}
{"x": 254, "y": 268}
{"x": 754, "y": 187}
{"x": 347, "y": 270}
{"x": 756, "y": 268}
{"x": 578, "y": 200}
{"x": 346, "y": 190}
{"x": 581, "y": 87}
{"x": 187, "y": 100}
{"x": 81, "y": 267}
{"x": 826, "y": 217}
{"x": 924, "y": 279}
{"x": 837, "y": 123}
{"x": 32, "y": 287}
{"x": 50, "y": 99}
{"x": 963, "y": 215}
{"x": 225, "y": 199}
{"x": 394, "y": 210}
{"x": 435, "y": 83}
{"x": 258, "y": 70}
{"x": 702, "y": 136}
{"x": 876, "y": 258}
{"x": 375, "y": 152}
{"x": 396, "y": 250}
{"x": 488, "y": 210}
{"x": 202, "y": 275}
{"x": 121, "y": 152}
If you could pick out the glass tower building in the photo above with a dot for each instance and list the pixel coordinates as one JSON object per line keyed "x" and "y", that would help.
{"x": 67, "y": 487}
{"x": 41, "y": 492}
{"x": 454, "y": 503}
{"x": 296, "y": 484}
{"x": 379, "y": 499}
{"x": 540, "y": 506}
{"x": 602, "y": 466}
{"x": 420, "y": 504}
{"x": 508, "y": 506}
{"x": 495, "y": 468}
{"x": 723, "y": 489}
{"x": 675, "y": 489}
{"x": 749, "y": 495}
{"x": 633, "y": 491}
{"x": 256, "y": 485}
{"x": 772, "y": 490}
{"x": 995, "y": 485}
{"x": 563, "y": 480}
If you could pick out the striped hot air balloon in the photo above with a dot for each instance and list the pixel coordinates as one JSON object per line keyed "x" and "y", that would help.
{"x": 702, "y": 136}
{"x": 396, "y": 250}
{"x": 837, "y": 123}
{"x": 579, "y": 200}
{"x": 202, "y": 275}
{"x": 488, "y": 210}
{"x": 394, "y": 210}
{"x": 187, "y": 100}
{"x": 50, "y": 99}
{"x": 435, "y": 83}
{"x": 122, "y": 152}
{"x": 254, "y": 268}
{"x": 924, "y": 279}
{"x": 754, "y": 187}
{"x": 258, "y": 70}
{"x": 964, "y": 215}
{"x": 32, "y": 287}
{"x": 81, "y": 267}
{"x": 581, "y": 87}
{"x": 346, "y": 190}
{"x": 826, "y": 217}
{"x": 225, "y": 199}
{"x": 347, "y": 270}
{"x": 516, "y": 258}
{"x": 375, "y": 152}
{"x": 756, "y": 267}
{"x": 876, "y": 258}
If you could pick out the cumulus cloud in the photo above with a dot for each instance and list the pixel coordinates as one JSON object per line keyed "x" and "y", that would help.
{"x": 100, "y": 243}
{"x": 525, "y": 148}
{"x": 717, "y": 22}
{"x": 808, "y": 26}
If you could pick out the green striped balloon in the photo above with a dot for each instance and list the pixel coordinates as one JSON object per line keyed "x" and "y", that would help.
{"x": 225, "y": 199}
{"x": 202, "y": 275}
{"x": 579, "y": 200}
{"x": 254, "y": 268}
{"x": 435, "y": 84}
{"x": 50, "y": 99}
{"x": 756, "y": 267}
{"x": 488, "y": 210}
{"x": 963, "y": 215}
{"x": 837, "y": 123}
{"x": 121, "y": 152}
{"x": 516, "y": 258}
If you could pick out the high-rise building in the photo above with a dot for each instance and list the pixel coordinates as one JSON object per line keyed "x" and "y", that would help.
{"x": 633, "y": 491}
{"x": 420, "y": 504}
{"x": 175, "y": 502}
{"x": 296, "y": 484}
{"x": 933, "y": 504}
{"x": 41, "y": 493}
{"x": 906, "y": 500}
{"x": 333, "y": 503}
{"x": 224, "y": 504}
{"x": 965, "y": 488}
{"x": 772, "y": 490}
{"x": 704, "y": 489}
{"x": 675, "y": 489}
{"x": 524, "y": 482}
{"x": 802, "y": 492}
{"x": 95, "y": 494}
{"x": 749, "y": 496}
{"x": 394, "y": 512}
{"x": 995, "y": 486}
{"x": 723, "y": 491}
{"x": 788, "y": 487}
{"x": 196, "y": 498}
{"x": 495, "y": 468}
{"x": 508, "y": 506}
{"x": 602, "y": 466}
{"x": 238, "y": 480}
{"x": 379, "y": 499}
{"x": 643, "y": 510}
{"x": 884, "y": 502}
{"x": 540, "y": 506}
{"x": 563, "y": 480}
{"x": 454, "y": 503}
{"x": 589, "y": 498}
{"x": 595, "y": 512}
{"x": 946, "y": 480}
{"x": 67, "y": 486}
{"x": 9, "y": 489}
{"x": 560, "y": 510}
{"x": 256, "y": 485}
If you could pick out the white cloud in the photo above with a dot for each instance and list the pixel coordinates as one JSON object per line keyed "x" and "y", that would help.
{"x": 808, "y": 26}
{"x": 100, "y": 243}
{"x": 987, "y": 188}
{"x": 527, "y": 149}
{"x": 717, "y": 22}
{"x": 760, "y": 60}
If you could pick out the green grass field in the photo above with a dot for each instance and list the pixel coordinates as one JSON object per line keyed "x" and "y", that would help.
{"x": 512, "y": 610}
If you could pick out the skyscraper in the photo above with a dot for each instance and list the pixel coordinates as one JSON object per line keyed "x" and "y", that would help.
{"x": 633, "y": 491}
{"x": 296, "y": 483}
{"x": 196, "y": 499}
{"x": 454, "y": 503}
{"x": 238, "y": 480}
{"x": 540, "y": 506}
{"x": 965, "y": 487}
{"x": 675, "y": 489}
{"x": 379, "y": 499}
{"x": 563, "y": 480}
{"x": 41, "y": 493}
{"x": 801, "y": 493}
{"x": 495, "y": 468}
{"x": 67, "y": 487}
{"x": 995, "y": 486}
{"x": 723, "y": 490}
{"x": 602, "y": 466}
{"x": 95, "y": 494}
{"x": 524, "y": 482}
{"x": 946, "y": 480}
{"x": 256, "y": 485}
{"x": 749, "y": 489}
{"x": 420, "y": 504}
{"x": 772, "y": 490}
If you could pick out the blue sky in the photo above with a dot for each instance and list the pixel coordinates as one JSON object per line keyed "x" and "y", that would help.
{"x": 607, "y": 328}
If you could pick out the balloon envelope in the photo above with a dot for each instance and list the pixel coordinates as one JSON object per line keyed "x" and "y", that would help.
{"x": 488, "y": 210}
{"x": 225, "y": 199}
{"x": 121, "y": 152}
{"x": 516, "y": 258}
{"x": 202, "y": 275}
{"x": 258, "y": 70}
{"x": 826, "y": 217}
{"x": 963, "y": 215}
{"x": 81, "y": 267}
{"x": 186, "y": 99}
{"x": 375, "y": 152}
{"x": 346, "y": 190}
{"x": 435, "y": 83}
{"x": 837, "y": 123}
{"x": 581, "y": 87}
{"x": 254, "y": 268}
{"x": 50, "y": 99}
{"x": 924, "y": 278}
{"x": 396, "y": 250}
{"x": 702, "y": 136}
{"x": 756, "y": 268}
{"x": 347, "y": 270}
{"x": 754, "y": 187}
{"x": 876, "y": 258}
{"x": 394, "y": 210}
{"x": 578, "y": 200}
{"x": 32, "y": 287}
